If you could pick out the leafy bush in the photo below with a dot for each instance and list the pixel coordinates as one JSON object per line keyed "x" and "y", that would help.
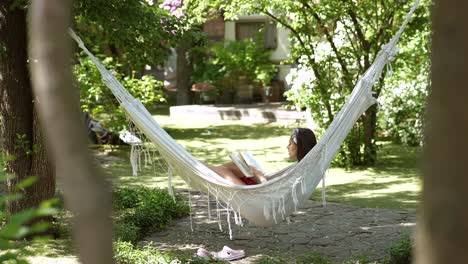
{"x": 400, "y": 252}
{"x": 247, "y": 57}
{"x": 361, "y": 260}
{"x": 145, "y": 210}
{"x": 98, "y": 100}
{"x": 124, "y": 198}
{"x": 233, "y": 59}
{"x": 127, "y": 231}
{"x": 269, "y": 260}
{"x": 17, "y": 226}
{"x": 312, "y": 257}
{"x": 402, "y": 112}
{"x": 126, "y": 253}
{"x": 205, "y": 68}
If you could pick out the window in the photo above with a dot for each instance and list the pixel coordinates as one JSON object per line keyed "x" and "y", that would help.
{"x": 214, "y": 29}
{"x": 248, "y": 30}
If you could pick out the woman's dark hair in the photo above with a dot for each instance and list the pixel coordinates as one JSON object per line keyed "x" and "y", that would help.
{"x": 305, "y": 141}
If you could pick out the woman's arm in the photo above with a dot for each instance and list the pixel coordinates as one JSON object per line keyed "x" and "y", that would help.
{"x": 258, "y": 175}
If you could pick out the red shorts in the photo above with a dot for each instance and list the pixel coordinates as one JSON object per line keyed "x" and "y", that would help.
{"x": 248, "y": 181}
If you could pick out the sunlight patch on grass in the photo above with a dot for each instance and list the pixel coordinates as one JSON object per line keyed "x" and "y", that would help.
{"x": 394, "y": 182}
{"x": 372, "y": 188}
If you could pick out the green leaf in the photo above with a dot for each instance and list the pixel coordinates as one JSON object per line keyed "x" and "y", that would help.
{"x": 6, "y": 176}
{"x": 42, "y": 239}
{"x": 8, "y": 158}
{"x": 5, "y": 244}
{"x": 23, "y": 216}
{"x": 14, "y": 231}
{"x": 40, "y": 227}
{"x": 49, "y": 203}
{"x": 22, "y": 261}
{"x": 26, "y": 182}
{"x": 10, "y": 197}
{"x": 22, "y": 231}
{"x": 46, "y": 211}
{"x": 9, "y": 231}
{"x": 8, "y": 256}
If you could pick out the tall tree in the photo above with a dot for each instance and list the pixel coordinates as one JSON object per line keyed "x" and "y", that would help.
{"x": 442, "y": 232}
{"x": 86, "y": 193}
{"x": 134, "y": 33}
{"x": 334, "y": 43}
{"x": 22, "y": 138}
{"x": 184, "y": 71}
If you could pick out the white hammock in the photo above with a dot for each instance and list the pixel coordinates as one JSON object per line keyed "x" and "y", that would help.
{"x": 272, "y": 201}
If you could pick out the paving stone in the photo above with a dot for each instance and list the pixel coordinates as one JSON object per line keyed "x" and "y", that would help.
{"x": 241, "y": 242}
{"x": 282, "y": 231}
{"x": 337, "y": 231}
{"x": 300, "y": 240}
{"x": 244, "y": 237}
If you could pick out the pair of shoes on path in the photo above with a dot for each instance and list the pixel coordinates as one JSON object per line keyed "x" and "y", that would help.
{"x": 226, "y": 253}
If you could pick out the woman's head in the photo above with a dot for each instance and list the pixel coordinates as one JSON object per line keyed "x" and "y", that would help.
{"x": 301, "y": 142}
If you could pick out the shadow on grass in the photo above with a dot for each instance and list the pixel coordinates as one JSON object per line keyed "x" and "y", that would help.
{"x": 371, "y": 195}
{"x": 394, "y": 182}
{"x": 232, "y": 132}
{"x": 54, "y": 248}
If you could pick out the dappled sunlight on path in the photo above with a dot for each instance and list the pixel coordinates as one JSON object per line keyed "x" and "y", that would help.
{"x": 337, "y": 231}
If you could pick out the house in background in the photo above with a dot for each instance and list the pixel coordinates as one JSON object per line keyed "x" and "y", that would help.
{"x": 276, "y": 38}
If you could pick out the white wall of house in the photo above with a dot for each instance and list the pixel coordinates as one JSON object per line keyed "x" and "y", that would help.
{"x": 230, "y": 30}
{"x": 283, "y": 49}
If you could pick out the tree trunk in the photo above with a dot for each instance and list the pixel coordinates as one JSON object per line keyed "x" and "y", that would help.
{"x": 86, "y": 192}
{"x": 184, "y": 71}
{"x": 353, "y": 143}
{"x": 370, "y": 124}
{"x": 442, "y": 230}
{"x": 41, "y": 164}
{"x": 22, "y": 138}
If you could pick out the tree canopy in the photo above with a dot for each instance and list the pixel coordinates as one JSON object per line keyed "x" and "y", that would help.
{"x": 333, "y": 43}
{"x": 137, "y": 33}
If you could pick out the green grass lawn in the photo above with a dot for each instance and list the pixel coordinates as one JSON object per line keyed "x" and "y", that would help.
{"x": 394, "y": 182}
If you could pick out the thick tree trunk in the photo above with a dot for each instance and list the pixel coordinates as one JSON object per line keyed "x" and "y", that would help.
{"x": 370, "y": 124}
{"x": 22, "y": 138}
{"x": 41, "y": 165}
{"x": 184, "y": 71}
{"x": 442, "y": 230}
{"x": 86, "y": 192}
{"x": 353, "y": 143}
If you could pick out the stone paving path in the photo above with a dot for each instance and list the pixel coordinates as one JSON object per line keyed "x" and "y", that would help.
{"x": 337, "y": 231}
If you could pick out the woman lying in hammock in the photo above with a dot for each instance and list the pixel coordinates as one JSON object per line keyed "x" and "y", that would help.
{"x": 301, "y": 142}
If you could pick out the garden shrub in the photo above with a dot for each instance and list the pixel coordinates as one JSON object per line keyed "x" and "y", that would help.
{"x": 14, "y": 228}
{"x": 400, "y": 252}
{"x": 124, "y": 198}
{"x": 99, "y": 102}
{"x": 312, "y": 257}
{"x": 127, "y": 231}
{"x": 144, "y": 210}
{"x": 269, "y": 260}
{"x": 126, "y": 253}
{"x": 361, "y": 260}
{"x": 247, "y": 57}
{"x": 223, "y": 64}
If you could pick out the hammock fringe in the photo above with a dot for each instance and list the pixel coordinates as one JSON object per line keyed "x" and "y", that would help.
{"x": 264, "y": 203}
